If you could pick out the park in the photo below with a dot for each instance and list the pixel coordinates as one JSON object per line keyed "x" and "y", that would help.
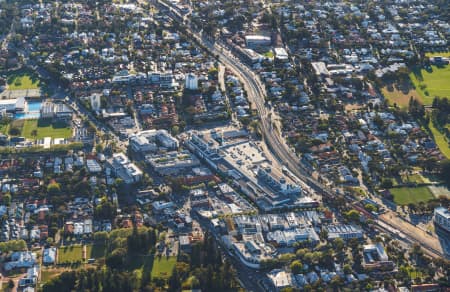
{"x": 408, "y": 195}
{"x": 22, "y": 81}
{"x": 36, "y": 129}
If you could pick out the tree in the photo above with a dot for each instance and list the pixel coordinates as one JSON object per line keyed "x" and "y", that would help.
{"x": 370, "y": 207}
{"x": 119, "y": 182}
{"x": 296, "y": 267}
{"x": 92, "y": 280}
{"x": 347, "y": 269}
{"x": 444, "y": 173}
{"x": 175, "y": 130}
{"x": 14, "y": 131}
{"x": 339, "y": 244}
{"x": 34, "y": 133}
{"x": 99, "y": 148}
{"x": 386, "y": 183}
{"x": 101, "y": 236}
{"x": 105, "y": 210}
{"x": 378, "y": 121}
{"x": 323, "y": 234}
{"x": 11, "y": 284}
{"x": 116, "y": 259}
{"x": 336, "y": 282}
{"x": 174, "y": 281}
{"x": 13, "y": 245}
{"x": 352, "y": 215}
{"x": 191, "y": 283}
{"x": 6, "y": 199}
{"x": 416, "y": 109}
{"x": 53, "y": 188}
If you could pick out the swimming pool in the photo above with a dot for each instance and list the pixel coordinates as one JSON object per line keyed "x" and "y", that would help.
{"x": 34, "y": 106}
{"x": 33, "y": 111}
{"x": 21, "y": 116}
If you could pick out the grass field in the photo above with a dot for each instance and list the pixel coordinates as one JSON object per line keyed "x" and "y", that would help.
{"x": 16, "y": 124}
{"x": 163, "y": 267}
{"x": 4, "y": 128}
{"x": 432, "y": 83}
{"x": 22, "y": 81}
{"x": 45, "y": 129}
{"x": 413, "y": 178}
{"x": 404, "y": 196}
{"x": 440, "y": 139}
{"x": 70, "y": 254}
{"x": 443, "y": 54}
{"x": 48, "y": 274}
{"x": 400, "y": 96}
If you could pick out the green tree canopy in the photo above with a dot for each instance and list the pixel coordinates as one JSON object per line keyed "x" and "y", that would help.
{"x": 296, "y": 267}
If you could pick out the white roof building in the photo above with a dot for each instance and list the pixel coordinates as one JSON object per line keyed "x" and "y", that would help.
{"x": 280, "y": 278}
{"x": 442, "y": 217}
{"x": 93, "y": 166}
{"x": 49, "y": 256}
{"x": 21, "y": 259}
{"x": 281, "y": 54}
{"x": 257, "y": 40}
{"x": 191, "y": 81}
{"x": 343, "y": 231}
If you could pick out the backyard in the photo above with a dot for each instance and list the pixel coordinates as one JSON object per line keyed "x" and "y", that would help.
{"x": 22, "y": 81}
{"x": 406, "y": 195}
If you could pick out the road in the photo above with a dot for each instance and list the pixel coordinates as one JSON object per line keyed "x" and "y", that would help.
{"x": 249, "y": 278}
{"x": 271, "y": 136}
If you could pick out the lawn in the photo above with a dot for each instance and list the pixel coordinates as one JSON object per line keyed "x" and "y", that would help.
{"x": 70, "y": 254}
{"x": 4, "y": 128}
{"x": 48, "y": 274}
{"x": 413, "y": 178}
{"x": 431, "y": 83}
{"x": 404, "y": 195}
{"x": 442, "y": 54}
{"x": 268, "y": 54}
{"x": 440, "y": 139}
{"x": 163, "y": 267}
{"x": 45, "y": 129}
{"x": 356, "y": 191}
{"x": 17, "y": 126}
{"x": 400, "y": 95}
{"x": 22, "y": 81}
